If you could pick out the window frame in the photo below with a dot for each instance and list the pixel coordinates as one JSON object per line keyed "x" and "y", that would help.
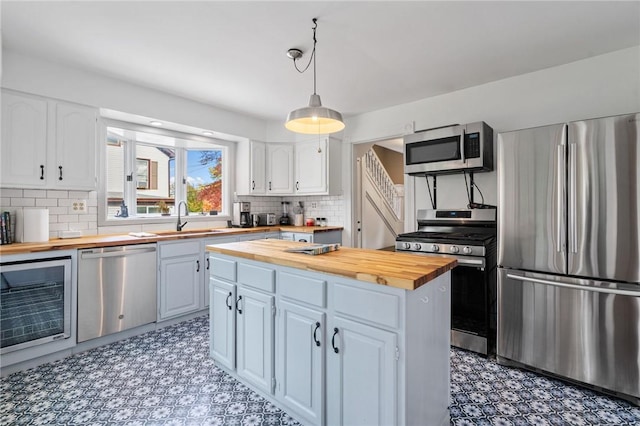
{"x": 228, "y": 172}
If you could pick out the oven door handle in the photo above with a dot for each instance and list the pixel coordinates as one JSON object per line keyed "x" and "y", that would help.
{"x": 471, "y": 262}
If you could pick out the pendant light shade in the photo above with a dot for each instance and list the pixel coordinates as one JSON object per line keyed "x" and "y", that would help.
{"x": 313, "y": 119}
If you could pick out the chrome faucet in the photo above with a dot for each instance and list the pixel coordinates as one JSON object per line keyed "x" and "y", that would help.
{"x": 179, "y": 226}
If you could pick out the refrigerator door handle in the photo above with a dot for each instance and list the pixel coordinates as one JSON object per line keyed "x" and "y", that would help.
{"x": 561, "y": 159}
{"x": 572, "y": 222}
{"x": 576, "y": 286}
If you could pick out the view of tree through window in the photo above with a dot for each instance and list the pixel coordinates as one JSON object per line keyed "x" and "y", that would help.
{"x": 204, "y": 181}
{"x": 150, "y": 173}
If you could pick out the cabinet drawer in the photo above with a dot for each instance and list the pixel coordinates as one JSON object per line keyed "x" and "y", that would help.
{"x": 257, "y": 277}
{"x": 371, "y": 306}
{"x": 304, "y": 289}
{"x": 179, "y": 249}
{"x": 223, "y": 268}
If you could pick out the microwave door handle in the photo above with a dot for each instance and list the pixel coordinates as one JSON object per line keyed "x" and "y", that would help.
{"x": 462, "y": 154}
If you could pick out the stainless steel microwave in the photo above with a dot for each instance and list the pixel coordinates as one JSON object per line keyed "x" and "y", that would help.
{"x": 449, "y": 149}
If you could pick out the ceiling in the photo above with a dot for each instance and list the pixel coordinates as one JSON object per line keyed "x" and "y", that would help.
{"x": 370, "y": 55}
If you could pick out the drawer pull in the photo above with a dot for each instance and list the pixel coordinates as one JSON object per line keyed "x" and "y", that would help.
{"x": 227, "y": 302}
{"x": 333, "y": 338}
{"x": 315, "y": 339}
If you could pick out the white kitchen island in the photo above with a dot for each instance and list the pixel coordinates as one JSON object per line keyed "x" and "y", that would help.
{"x": 353, "y": 337}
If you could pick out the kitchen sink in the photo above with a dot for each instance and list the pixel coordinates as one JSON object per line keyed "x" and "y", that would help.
{"x": 191, "y": 232}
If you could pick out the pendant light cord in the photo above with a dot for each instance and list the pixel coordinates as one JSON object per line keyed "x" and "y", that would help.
{"x": 312, "y": 58}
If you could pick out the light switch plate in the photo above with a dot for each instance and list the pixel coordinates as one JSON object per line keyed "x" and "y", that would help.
{"x": 79, "y": 206}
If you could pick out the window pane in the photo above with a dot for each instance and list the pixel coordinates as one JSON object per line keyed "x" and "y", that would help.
{"x": 115, "y": 171}
{"x": 155, "y": 177}
{"x": 204, "y": 180}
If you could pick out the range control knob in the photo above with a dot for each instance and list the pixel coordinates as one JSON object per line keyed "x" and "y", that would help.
{"x": 417, "y": 246}
{"x": 435, "y": 248}
{"x": 454, "y": 249}
{"x": 406, "y": 246}
{"x": 467, "y": 250}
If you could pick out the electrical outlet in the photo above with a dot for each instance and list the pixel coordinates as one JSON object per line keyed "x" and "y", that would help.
{"x": 314, "y": 205}
{"x": 79, "y": 206}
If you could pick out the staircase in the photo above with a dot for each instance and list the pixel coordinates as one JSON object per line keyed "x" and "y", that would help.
{"x": 381, "y": 204}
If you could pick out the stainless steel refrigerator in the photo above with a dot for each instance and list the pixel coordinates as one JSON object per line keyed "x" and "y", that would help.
{"x": 569, "y": 251}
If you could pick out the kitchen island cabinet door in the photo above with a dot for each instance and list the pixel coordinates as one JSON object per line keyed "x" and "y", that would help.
{"x": 300, "y": 383}
{"x": 255, "y": 338}
{"x": 222, "y": 334}
{"x": 362, "y": 377}
{"x": 180, "y": 279}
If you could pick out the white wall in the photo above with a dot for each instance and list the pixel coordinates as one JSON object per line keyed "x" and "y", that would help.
{"x": 45, "y": 78}
{"x": 600, "y": 86}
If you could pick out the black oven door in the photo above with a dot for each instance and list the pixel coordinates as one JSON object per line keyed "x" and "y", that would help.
{"x": 473, "y": 304}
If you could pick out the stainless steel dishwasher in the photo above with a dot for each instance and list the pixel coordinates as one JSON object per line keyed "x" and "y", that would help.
{"x": 116, "y": 289}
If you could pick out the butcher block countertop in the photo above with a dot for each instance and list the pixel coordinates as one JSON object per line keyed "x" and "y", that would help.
{"x": 108, "y": 240}
{"x": 401, "y": 270}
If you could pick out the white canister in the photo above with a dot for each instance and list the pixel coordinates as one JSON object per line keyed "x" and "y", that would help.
{"x": 32, "y": 225}
{"x": 298, "y": 219}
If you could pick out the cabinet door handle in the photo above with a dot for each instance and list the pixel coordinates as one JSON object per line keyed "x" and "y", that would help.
{"x": 41, "y": 171}
{"x": 208, "y": 265}
{"x": 269, "y": 185}
{"x": 237, "y": 302}
{"x": 227, "y": 302}
{"x": 60, "y": 168}
{"x": 197, "y": 266}
{"x": 253, "y": 184}
{"x": 333, "y": 338}
{"x": 297, "y": 186}
{"x": 315, "y": 339}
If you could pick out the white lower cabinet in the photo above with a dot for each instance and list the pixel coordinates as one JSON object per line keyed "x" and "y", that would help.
{"x": 222, "y": 334}
{"x": 255, "y": 338}
{"x": 300, "y": 361}
{"x": 340, "y": 351}
{"x": 180, "y": 279}
{"x": 361, "y": 374}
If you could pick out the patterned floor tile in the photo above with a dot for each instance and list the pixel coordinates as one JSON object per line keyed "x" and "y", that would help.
{"x": 166, "y": 377}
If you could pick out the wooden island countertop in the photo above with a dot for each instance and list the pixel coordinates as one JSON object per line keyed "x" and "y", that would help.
{"x": 400, "y": 270}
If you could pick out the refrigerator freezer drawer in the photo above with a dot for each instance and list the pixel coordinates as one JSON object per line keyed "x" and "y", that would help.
{"x": 589, "y": 335}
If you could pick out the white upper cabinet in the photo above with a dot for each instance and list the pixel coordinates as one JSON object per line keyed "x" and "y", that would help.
{"x": 301, "y": 168}
{"x": 23, "y": 149}
{"x": 47, "y": 143}
{"x": 75, "y": 147}
{"x": 251, "y": 173}
{"x": 258, "y": 168}
{"x": 311, "y": 167}
{"x": 279, "y": 168}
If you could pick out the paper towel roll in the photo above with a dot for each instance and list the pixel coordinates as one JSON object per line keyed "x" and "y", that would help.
{"x": 33, "y": 225}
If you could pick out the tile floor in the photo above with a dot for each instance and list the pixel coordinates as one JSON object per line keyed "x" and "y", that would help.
{"x": 165, "y": 377}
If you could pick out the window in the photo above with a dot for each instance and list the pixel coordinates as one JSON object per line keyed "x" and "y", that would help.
{"x": 147, "y": 173}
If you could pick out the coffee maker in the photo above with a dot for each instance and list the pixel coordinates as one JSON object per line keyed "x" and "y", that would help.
{"x": 241, "y": 214}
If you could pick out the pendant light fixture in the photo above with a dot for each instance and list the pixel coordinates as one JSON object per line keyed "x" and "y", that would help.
{"x": 313, "y": 119}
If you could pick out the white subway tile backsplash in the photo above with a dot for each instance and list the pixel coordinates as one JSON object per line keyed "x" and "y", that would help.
{"x": 34, "y": 193}
{"x": 9, "y": 192}
{"x": 68, "y": 218}
{"x": 58, "y": 227}
{"x": 46, "y": 202}
{"x": 57, "y": 194}
{"x": 23, "y": 202}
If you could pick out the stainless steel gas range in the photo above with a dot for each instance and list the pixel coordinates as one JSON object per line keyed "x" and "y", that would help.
{"x": 470, "y": 237}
